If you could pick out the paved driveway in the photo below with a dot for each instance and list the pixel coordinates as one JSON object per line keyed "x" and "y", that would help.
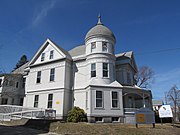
{"x": 20, "y": 130}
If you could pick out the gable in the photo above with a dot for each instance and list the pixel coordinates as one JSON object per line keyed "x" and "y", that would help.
{"x": 47, "y": 49}
{"x": 126, "y": 58}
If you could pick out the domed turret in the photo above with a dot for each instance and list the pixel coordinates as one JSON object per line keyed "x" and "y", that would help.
{"x": 100, "y": 31}
{"x": 99, "y": 43}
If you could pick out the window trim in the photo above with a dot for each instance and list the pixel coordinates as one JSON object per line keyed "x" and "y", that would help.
{"x": 52, "y": 75}
{"x": 118, "y": 97}
{"x": 99, "y": 99}
{"x": 36, "y": 101}
{"x": 38, "y": 77}
{"x": 93, "y": 70}
{"x": 42, "y": 57}
{"x": 51, "y": 55}
{"x": 50, "y": 101}
{"x": 93, "y": 46}
{"x": 106, "y": 70}
{"x": 104, "y": 44}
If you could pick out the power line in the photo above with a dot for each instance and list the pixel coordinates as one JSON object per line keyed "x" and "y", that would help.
{"x": 158, "y": 51}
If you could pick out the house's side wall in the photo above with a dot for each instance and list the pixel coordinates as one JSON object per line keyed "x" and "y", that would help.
{"x": 58, "y": 100}
{"x": 45, "y": 77}
{"x": 81, "y": 74}
{"x": 58, "y": 87}
{"x": 121, "y": 74}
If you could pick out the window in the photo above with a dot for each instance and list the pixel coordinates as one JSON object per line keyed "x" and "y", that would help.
{"x": 17, "y": 84}
{"x": 105, "y": 69}
{"x": 4, "y": 101}
{"x": 114, "y": 99}
{"x": 50, "y": 100}
{"x": 98, "y": 119}
{"x": 52, "y": 74}
{"x": 99, "y": 99}
{"x": 93, "y": 70}
{"x": 104, "y": 46}
{"x": 24, "y": 82}
{"x": 21, "y": 101}
{"x": 51, "y": 54}
{"x": 36, "y": 100}
{"x": 115, "y": 119}
{"x": 128, "y": 78}
{"x": 38, "y": 80}
{"x": 42, "y": 56}
{"x": 93, "y": 46}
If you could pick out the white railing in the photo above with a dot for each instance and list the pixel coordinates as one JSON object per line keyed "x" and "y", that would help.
{"x": 9, "y": 112}
{"x": 130, "y": 110}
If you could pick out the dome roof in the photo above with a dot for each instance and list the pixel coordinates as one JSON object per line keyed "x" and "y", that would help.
{"x": 100, "y": 30}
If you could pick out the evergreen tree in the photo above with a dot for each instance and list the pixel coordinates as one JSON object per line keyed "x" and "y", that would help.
{"x": 21, "y": 62}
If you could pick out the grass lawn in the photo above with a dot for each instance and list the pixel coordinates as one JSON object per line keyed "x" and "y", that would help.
{"x": 112, "y": 129}
{"x": 100, "y": 129}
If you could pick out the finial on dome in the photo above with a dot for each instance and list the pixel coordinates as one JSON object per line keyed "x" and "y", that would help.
{"x": 99, "y": 19}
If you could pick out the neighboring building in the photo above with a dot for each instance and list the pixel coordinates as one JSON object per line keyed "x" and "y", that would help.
{"x": 157, "y": 104}
{"x": 90, "y": 76}
{"x": 12, "y": 89}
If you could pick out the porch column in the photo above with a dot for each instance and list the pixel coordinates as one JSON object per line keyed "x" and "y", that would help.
{"x": 144, "y": 103}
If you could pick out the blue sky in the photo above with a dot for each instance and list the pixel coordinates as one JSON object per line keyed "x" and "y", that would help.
{"x": 150, "y": 28}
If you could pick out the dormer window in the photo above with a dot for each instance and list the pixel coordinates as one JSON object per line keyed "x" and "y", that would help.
{"x": 104, "y": 46}
{"x": 42, "y": 56}
{"x": 93, "y": 46}
{"x": 51, "y": 54}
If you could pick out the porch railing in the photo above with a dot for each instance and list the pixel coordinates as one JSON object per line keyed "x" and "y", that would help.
{"x": 130, "y": 110}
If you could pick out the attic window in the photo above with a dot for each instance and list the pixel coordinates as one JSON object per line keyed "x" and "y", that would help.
{"x": 42, "y": 56}
{"x": 51, "y": 54}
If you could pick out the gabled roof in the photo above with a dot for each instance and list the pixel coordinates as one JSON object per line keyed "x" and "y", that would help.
{"x": 128, "y": 55}
{"x": 63, "y": 52}
{"x": 77, "y": 51}
{"x": 21, "y": 69}
{"x": 125, "y": 54}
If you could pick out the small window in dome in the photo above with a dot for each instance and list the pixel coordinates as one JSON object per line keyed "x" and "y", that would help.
{"x": 104, "y": 46}
{"x": 93, "y": 46}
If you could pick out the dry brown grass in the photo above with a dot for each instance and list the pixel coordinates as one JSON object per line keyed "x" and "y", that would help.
{"x": 112, "y": 129}
{"x": 103, "y": 129}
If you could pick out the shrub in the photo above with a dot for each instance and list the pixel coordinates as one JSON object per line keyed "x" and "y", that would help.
{"x": 76, "y": 114}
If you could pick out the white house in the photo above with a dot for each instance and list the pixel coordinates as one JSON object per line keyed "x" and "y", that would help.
{"x": 90, "y": 76}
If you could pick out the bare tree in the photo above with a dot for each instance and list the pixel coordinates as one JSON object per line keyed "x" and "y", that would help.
{"x": 144, "y": 77}
{"x": 173, "y": 97}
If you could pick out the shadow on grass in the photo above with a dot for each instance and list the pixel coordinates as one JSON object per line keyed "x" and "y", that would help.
{"x": 40, "y": 124}
{"x": 19, "y": 130}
